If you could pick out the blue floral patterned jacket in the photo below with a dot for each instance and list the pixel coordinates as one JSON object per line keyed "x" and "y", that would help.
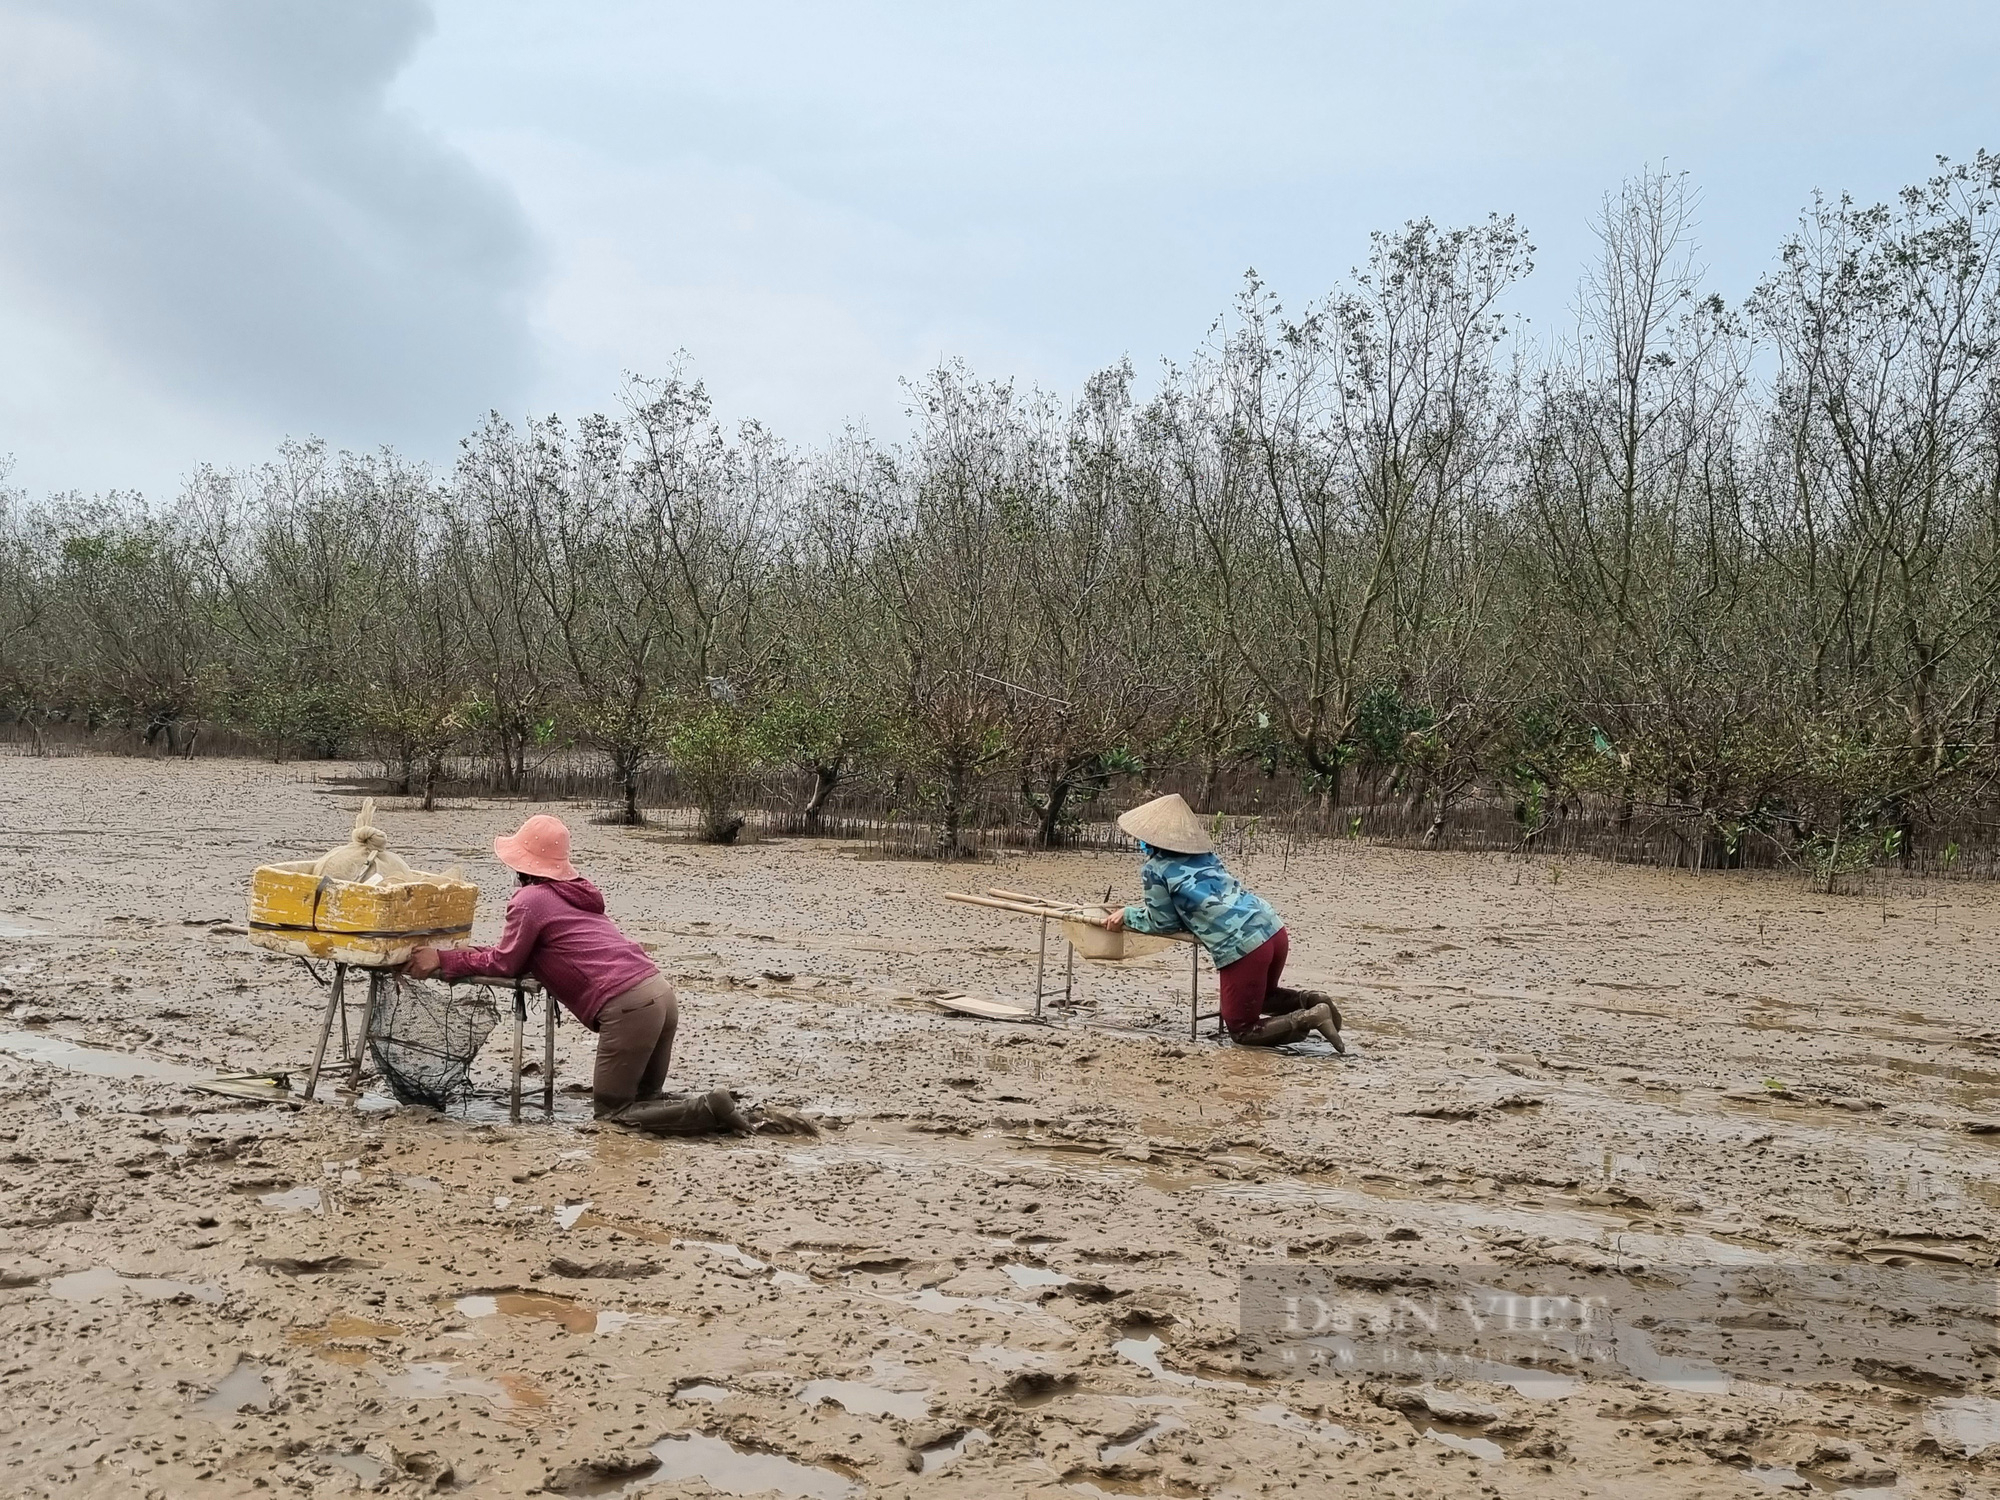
{"x": 1193, "y": 893}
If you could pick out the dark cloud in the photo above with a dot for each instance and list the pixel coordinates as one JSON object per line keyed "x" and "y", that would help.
{"x": 222, "y": 194}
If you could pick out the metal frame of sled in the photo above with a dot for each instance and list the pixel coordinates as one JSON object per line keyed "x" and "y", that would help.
{"x": 378, "y": 976}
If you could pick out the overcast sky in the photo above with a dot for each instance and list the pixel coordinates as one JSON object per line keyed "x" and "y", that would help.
{"x": 226, "y": 221}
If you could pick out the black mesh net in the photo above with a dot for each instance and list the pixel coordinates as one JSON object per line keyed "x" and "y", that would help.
{"x": 425, "y": 1036}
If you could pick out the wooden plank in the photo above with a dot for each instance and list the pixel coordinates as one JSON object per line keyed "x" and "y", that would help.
{"x": 989, "y": 1010}
{"x": 265, "y": 1088}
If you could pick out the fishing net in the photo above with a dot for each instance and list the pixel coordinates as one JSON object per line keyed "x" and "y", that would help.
{"x": 425, "y": 1036}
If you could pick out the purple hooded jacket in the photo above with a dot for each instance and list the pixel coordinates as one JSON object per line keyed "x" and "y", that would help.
{"x": 557, "y": 931}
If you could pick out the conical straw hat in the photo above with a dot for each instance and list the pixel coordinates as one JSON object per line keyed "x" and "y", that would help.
{"x": 1167, "y": 823}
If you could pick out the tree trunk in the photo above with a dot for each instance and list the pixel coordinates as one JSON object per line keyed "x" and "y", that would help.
{"x": 1435, "y": 832}
{"x": 1211, "y": 773}
{"x": 954, "y": 809}
{"x": 825, "y": 779}
{"x": 1052, "y": 810}
{"x": 625, "y": 769}
{"x": 510, "y": 778}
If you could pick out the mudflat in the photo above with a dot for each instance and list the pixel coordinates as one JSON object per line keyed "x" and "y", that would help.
{"x": 1010, "y": 1263}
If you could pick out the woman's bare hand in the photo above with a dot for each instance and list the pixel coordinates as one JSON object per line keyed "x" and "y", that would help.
{"x": 1115, "y": 920}
{"x": 423, "y": 963}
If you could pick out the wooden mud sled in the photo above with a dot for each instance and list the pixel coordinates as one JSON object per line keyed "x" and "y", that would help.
{"x": 1081, "y": 925}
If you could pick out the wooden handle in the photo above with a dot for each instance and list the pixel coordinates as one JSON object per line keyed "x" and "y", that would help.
{"x": 1035, "y": 909}
{"x": 994, "y": 890}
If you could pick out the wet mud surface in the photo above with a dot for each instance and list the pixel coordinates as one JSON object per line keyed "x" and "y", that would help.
{"x": 1009, "y": 1266}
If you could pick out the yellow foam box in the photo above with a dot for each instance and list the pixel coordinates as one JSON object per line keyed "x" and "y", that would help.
{"x": 295, "y": 911}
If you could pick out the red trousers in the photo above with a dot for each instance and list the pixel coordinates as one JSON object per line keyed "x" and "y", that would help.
{"x": 1248, "y": 982}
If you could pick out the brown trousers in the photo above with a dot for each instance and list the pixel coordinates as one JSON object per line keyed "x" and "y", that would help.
{"x": 635, "y": 1042}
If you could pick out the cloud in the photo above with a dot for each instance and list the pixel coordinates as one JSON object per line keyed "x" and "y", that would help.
{"x": 220, "y": 199}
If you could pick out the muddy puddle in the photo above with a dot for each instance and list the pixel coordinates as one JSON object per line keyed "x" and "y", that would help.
{"x": 702, "y": 1390}
{"x": 369, "y": 1469}
{"x": 1462, "y": 1442}
{"x": 1968, "y": 1422}
{"x": 295, "y": 1200}
{"x": 245, "y": 1388}
{"x": 731, "y": 1470}
{"x": 495, "y": 1106}
{"x": 865, "y": 1399}
{"x": 442, "y": 1380}
{"x": 1781, "y": 1478}
{"x": 948, "y": 1451}
{"x": 1271, "y": 1414}
{"x": 1138, "y": 1442}
{"x": 540, "y": 1307}
{"x": 345, "y": 1339}
{"x": 56, "y": 1051}
{"x": 1980, "y": 1083}
{"x": 1147, "y": 1352}
{"x": 102, "y": 1284}
{"x": 1034, "y": 1276}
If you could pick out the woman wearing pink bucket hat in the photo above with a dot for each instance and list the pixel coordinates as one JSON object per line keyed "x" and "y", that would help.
{"x": 557, "y": 930}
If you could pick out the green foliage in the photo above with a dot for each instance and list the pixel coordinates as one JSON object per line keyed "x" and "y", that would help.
{"x": 1386, "y": 725}
{"x": 714, "y": 751}
{"x": 319, "y": 719}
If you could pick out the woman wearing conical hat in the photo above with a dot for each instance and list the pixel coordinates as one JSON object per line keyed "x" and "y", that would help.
{"x": 1188, "y": 890}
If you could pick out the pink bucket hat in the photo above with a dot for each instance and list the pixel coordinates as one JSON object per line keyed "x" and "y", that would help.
{"x": 541, "y": 847}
